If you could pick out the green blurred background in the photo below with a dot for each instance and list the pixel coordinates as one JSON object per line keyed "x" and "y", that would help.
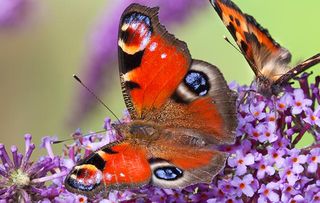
{"x": 37, "y": 60}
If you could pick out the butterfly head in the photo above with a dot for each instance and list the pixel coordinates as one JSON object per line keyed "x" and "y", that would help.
{"x": 266, "y": 87}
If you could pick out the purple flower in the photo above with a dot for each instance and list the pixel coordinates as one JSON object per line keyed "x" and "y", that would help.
{"x": 241, "y": 162}
{"x": 267, "y": 192}
{"x": 276, "y": 156}
{"x": 264, "y": 168}
{"x": 296, "y": 160}
{"x": 313, "y": 160}
{"x": 257, "y": 111}
{"x": 243, "y": 185}
{"x": 12, "y": 12}
{"x": 267, "y": 132}
{"x": 287, "y": 191}
{"x": 313, "y": 117}
{"x": 285, "y": 102}
{"x": 297, "y": 199}
{"x": 288, "y": 175}
{"x": 300, "y": 103}
{"x": 24, "y": 180}
{"x": 316, "y": 197}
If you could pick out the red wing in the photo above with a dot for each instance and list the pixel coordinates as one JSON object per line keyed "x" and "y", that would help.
{"x": 128, "y": 165}
{"x": 254, "y": 41}
{"x": 152, "y": 61}
{"x": 188, "y": 165}
{"x": 203, "y": 105}
{"x": 115, "y": 166}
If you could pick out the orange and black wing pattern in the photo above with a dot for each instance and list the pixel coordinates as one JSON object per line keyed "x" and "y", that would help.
{"x": 152, "y": 61}
{"x": 254, "y": 41}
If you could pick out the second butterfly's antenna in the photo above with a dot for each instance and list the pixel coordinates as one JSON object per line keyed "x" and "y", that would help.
{"x": 236, "y": 48}
{"x": 95, "y": 96}
{"x": 227, "y": 40}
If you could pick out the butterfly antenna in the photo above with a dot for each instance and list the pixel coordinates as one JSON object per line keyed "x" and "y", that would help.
{"x": 250, "y": 63}
{"x": 97, "y": 98}
{"x": 229, "y": 42}
{"x": 65, "y": 140}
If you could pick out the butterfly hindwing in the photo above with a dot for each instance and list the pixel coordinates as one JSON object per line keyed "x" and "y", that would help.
{"x": 204, "y": 104}
{"x": 115, "y": 166}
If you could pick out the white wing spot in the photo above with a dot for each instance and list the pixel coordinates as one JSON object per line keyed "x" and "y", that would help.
{"x": 122, "y": 175}
{"x": 164, "y": 55}
{"x": 108, "y": 176}
{"x": 153, "y": 46}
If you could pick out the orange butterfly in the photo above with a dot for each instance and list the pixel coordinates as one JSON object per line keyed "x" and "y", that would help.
{"x": 180, "y": 108}
{"x": 268, "y": 60}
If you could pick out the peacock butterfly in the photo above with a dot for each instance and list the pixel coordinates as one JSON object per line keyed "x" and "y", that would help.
{"x": 180, "y": 108}
{"x": 268, "y": 60}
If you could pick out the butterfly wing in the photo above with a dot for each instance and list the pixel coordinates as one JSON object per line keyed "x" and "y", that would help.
{"x": 116, "y": 166}
{"x": 161, "y": 82}
{"x": 124, "y": 165}
{"x": 152, "y": 61}
{"x": 265, "y": 56}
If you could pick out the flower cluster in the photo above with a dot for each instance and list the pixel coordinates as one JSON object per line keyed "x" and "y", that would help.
{"x": 264, "y": 165}
{"x": 24, "y": 181}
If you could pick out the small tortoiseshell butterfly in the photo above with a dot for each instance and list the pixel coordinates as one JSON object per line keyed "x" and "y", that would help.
{"x": 268, "y": 60}
{"x": 180, "y": 108}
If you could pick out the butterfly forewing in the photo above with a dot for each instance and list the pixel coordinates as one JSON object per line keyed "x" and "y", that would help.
{"x": 152, "y": 62}
{"x": 268, "y": 60}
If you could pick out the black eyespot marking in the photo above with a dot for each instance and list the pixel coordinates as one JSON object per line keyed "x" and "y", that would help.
{"x": 130, "y": 62}
{"x": 252, "y": 37}
{"x": 132, "y": 85}
{"x": 97, "y": 161}
{"x": 80, "y": 186}
{"x": 179, "y": 99}
{"x": 156, "y": 160}
{"x": 109, "y": 151}
{"x": 231, "y": 18}
{"x": 237, "y": 22}
{"x": 197, "y": 82}
{"x": 168, "y": 173}
{"x": 232, "y": 30}
{"x": 244, "y": 46}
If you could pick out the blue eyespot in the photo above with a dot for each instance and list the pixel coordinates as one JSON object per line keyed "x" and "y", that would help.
{"x": 168, "y": 173}
{"x": 197, "y": 82}
{"x": 137, "y": 18}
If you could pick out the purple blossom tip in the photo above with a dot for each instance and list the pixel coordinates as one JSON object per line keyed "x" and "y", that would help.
{"x": 13, "y": 12}
{"x": 23, "y": 177}
{"x": 14, "y": 148}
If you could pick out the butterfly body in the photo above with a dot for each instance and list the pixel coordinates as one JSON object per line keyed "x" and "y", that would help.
{"x": 268, "y": 60}
{"x": 180, "y": 108}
